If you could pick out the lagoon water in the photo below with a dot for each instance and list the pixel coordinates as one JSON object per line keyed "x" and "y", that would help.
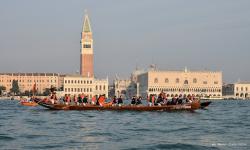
{"x": 223, "y": 125}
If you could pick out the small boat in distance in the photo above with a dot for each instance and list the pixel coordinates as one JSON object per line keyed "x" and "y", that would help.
{"x": 31, "y": 101}
{"x": 28, "y": 103}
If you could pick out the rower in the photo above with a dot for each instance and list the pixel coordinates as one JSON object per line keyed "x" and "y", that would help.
{"x": 114, "y": 101}
{"x": 101, "y": 100}
{"x": 85, "y": 100}
{"x": 138, "y": 101}
{"x": 173, "y": 102}
{"x": 133, "y": 101}
{"x": 80, "y": 99}
{"x": 120, "y": 101}
{"x": 160, "y": 99}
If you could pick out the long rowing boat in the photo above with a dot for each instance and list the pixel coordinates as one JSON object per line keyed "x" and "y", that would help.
{"x": 187, "y": 106}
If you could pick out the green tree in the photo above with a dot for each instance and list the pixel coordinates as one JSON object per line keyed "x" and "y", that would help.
{"x": 15, "y": 87}
{"x": 26, "y": 93}
{"x": 61, "y": 88}
{"x": 46, "y": 92}
{"x": 2, "y": 88}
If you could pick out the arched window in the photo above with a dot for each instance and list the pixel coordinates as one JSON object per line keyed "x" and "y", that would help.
{"x": 194, "y": 80}
{"x": 186, "y": 82}
{"x": 166, "y": 80}
{"x": 156, "y": 80}
{"x": 177, "y": 80}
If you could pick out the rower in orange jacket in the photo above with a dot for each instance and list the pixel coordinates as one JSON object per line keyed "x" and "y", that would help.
{"x": 101, "y": 100}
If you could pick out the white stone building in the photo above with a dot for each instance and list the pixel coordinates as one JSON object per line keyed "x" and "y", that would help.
{"x": 206, "y": 84}
{"x": 77, "y": 84}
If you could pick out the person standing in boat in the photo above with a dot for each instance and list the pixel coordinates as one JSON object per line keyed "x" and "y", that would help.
{"x": 64, "y": 98}
{"x": 151, "y": 101}
{"x": 93, "y": 100}
{"x": 120, "y": 101}
{"x": 68, "y": 100}
{"x": 75, "y": 99}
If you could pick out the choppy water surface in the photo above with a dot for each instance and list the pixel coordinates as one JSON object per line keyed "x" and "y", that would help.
{"x": 224, "y": 125}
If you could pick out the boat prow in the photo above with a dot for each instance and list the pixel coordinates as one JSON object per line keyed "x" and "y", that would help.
{"x": 205, "y": 104}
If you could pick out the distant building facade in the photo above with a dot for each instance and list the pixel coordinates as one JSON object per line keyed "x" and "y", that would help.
{"x": 26, "y": 81}
{"x": 124, "y": 88}
{"x": 127, "y": 87}
{"x": 77, "y": 84}
{"x": 242, "y": 90}
{"x": 238, "y": 90}
{"x": 199, "y": 83}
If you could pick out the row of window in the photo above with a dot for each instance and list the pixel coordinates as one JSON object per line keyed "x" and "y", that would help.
{"x": 183, "y": 90}
{"x": 242, "y": 89}
{"x": 31, "y": 85}
{"x": 31, "y": 81}
{"x": 78, "y": 82}
{"x": 100, "y": 87}
{"x": 197, "y": 95}
{"x": 244, "y": 95}
{"x": 89, "y": 95}
{"x": 177, "y": 80}
{"x": 78, "y": 89}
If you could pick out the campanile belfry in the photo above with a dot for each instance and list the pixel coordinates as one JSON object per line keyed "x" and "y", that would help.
{"x": 86, "y": 58}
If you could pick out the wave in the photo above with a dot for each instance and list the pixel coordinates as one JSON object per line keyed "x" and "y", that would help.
{"x": 177, "y": 146}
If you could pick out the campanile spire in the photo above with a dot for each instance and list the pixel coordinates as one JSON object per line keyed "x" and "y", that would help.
{"x": 86, "y": 24}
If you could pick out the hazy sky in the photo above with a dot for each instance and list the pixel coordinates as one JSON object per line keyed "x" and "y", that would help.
{"x": 44, "y": 35}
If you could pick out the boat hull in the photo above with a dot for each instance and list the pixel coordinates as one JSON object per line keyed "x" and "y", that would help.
{"x": 192, "y": 106}
{"x": 29, "y": 104}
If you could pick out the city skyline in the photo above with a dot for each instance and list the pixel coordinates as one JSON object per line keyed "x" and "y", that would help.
{"x": 171, "y": 35}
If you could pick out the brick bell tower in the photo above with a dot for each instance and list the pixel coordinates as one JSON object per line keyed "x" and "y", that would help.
{"x": 86, "y": 58}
